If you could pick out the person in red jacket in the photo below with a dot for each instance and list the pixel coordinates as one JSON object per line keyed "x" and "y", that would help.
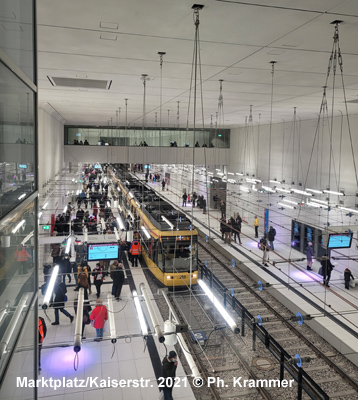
{"x": 22, "y": 256}
{"x": 99, "y": 315}
{"x": 135, "y": 250}
{"x": 42, "y": 335}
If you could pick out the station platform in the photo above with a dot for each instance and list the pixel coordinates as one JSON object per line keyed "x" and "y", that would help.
{"x": 335, "y": 310}
{"x": 129, "y": 359}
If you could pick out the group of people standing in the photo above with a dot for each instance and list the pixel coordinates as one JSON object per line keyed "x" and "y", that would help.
{"x": 230, "y": 228}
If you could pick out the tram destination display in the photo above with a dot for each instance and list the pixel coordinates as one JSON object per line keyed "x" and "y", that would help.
{"x": 340, "y": 240}
{"x": 102, "y": 251}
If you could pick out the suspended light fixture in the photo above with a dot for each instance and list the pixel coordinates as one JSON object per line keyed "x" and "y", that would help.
{"x": 45, "y": 205}
{"x": 219, "y": 306}
{"x": 349, "y": 210}
{"x": 274, "y": 181}
{"x": 314, "y": 191}
{"x": 301, "y": 192}
{"x": 120, "y": 224}
{"x": 22, "y": 196}
{"x": 230, "y": 173}
{"x": 290, "y": 201}
{"x": 316, "y": 205}
{"x": 268, "y": 189}
{"x": 331, "y": 192}
{"x": 283, "y": 190}
{"x": 68, "y": 246}
{"x": 50, "y": 287}
{"x": 130, "y": 195}
{"x": 142, "y": 321}
{"x": 286, "y": 205}
{"x": 319, "y": 201}
{"x": 239, "y": 173}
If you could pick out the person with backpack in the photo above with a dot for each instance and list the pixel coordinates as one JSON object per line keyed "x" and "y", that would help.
{"x": 347, "y": 277}
{"x": 271, "y": 236}
{"x": 42, "y": 335}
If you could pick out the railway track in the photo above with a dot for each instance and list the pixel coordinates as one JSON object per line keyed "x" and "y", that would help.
{"x": 330, "y": 370}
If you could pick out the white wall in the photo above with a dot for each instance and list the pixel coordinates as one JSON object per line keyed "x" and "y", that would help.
{"x": 51, "y": 147}
{"x": 292, "y": 158}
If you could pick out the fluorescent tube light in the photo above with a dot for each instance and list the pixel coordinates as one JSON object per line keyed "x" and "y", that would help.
{"x": 268, "y": 189}
{"x": 146, "y": 232}
{"x": 317, "y": 205}
{"x": 290, "y": 201}
{"x": 168, "y": 222}
{"x": 283, "y": 190}
{"x": 331, "y": 192}
{"x": 250, "y": 180}
{"x": 64, "y": 210}
{"x": 120, "y": 224}
{"x": 239, "y": 173}
{"x": 45, "y": 205}
{"x": 50, "y": 287}
{"x": 217, "y": 169}
{"x": 130, "y": 195}
{"x": 271, "y": 180}
{"x": 143, "y": 324}
{"x": 22, "y": 196}
{"x": 286, "y": 205}
{"x": 68, "y": 245}
{"x": 319, "y": 201}
{"x": 18, "y": 226}
{"x": 314, "y": 191}
{"x": 220, "y": 173}
{"x": 301, "y": 192}
{"x": 230, "y": 173}
{"x": 219, "y": 306}
{"x": 40, "y": 214}
{"x": 108, "y": 204}
{"x": 349, "y": 209}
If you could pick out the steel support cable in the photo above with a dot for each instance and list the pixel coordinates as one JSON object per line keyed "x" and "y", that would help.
{"x": 270, "y": 144}
{"x": 293, "y": 143}
{"x": 288, "y": 146}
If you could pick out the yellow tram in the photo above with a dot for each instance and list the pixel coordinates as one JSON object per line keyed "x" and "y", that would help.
{"x": 169, "y": 244}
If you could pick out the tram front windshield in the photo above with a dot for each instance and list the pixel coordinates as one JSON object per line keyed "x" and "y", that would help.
{"x": 178, "y": 255}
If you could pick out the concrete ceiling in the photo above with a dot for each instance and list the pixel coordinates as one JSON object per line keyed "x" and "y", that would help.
{"x": 118, "y": 41}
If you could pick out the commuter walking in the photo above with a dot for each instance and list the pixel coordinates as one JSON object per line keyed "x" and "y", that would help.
{"x": 271, "y": 236}
{"x": 265, "y": 251}
{"x": 327, "y": 268}
{"x": 163, "y": 184}
{"x": 256, "y": 226}
{"x": 203, "y": 203}
{"x": 42, "y": 335}
{"x": 184, "y": 197}
{"x": 98, "y": 278}
{"x": 194, "y": 197}
{"x": 347, "y": 277}
{"x": 22, "y": 255}
{"x": 309, "y": 255}
{"x": 169, "y": 366}
{"x": 58, "y": 304}
{"x": 215, "y": 199}
{"x": 237, "y": 228}
{"x": 223, "y": 209}
{"x": 117, "y": 275}
{"x": 99, "y": 316}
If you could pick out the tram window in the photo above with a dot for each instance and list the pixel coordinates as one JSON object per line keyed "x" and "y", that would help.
{"x": 178, "y": 255}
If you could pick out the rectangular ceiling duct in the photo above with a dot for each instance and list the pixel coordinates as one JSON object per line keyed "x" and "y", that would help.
{"x": 80, "y": 83}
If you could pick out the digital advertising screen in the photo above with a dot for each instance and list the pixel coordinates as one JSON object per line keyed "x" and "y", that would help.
{"x": 102, "y": 251}
{"x": 340, "y": 240}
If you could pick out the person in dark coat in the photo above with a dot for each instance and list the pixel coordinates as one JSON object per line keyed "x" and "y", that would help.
{"x": 58, "y": 303}
{"x": 117, "y": 275}
{"x": 194, "y": 197}
{"x": 98, "y": 278}
{"x": 237, "y": 228}
{"x": 169, "y": 366}
{"x": 347, "y": 277}
{"x": 184, "y": 197}
{"x": 222, "y": 227}
{"x": 327, "y": 268}
{"x": 203, "y": 204}
{"x": 223, "y": 209}
{"x": 271, "y": 236}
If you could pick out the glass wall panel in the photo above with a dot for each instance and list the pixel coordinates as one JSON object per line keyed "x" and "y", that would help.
{"x": 17, "y": 37}
{"x": 17, "y": 277}
{"x": 167, "y": 137}
{"x": 17, "y": 135}
{"x": 22, "y": 365}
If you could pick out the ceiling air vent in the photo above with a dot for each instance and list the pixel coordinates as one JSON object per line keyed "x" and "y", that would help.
{"x": 79, "y": 83}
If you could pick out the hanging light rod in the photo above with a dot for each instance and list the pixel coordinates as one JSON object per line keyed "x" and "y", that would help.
{"x": 314, "y": 191}
{"x": 319, "y": 201}
{"x": 274, "y": 181}
{"x": 239, "y": 173}
{"x": 286, "y": 205}
{"x": 301, "y": 192}
{"x": 348, "y": 209}
{"x": 268, "y": 189}
{"x": 283, "y": 190}
{"x": 331, "y": 192}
